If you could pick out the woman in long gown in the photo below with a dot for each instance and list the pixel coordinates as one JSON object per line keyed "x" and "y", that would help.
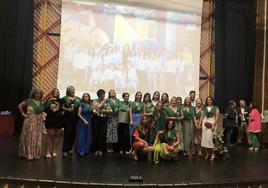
{"x": 70, "y": 119}
{"x": 124, "y": 122}
{"x": 137, "y": 110}
{"x": 197, "y": 127}
{"x": 84, "y": 127}
{"x": 188, "y": 125}
{"x": 31, "y": 134}
{"x": 209, "y": 120}
{"x": 112, "y": 122}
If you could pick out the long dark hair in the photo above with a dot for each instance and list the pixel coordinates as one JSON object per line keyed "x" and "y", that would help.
{"x": 100, "y": 93}
{"x": 167, "y": 122}
{"x": 209, "y": 97}
{"x": 255, "y": 105}
{"x": 83, "y": 98}
{"x": 154, "y": 95}
{"x": 53, "y": 91}
{"x": 145, "y": 95}
{"x": 167, "y": 97}
{"x": 109, "y": 94}
{"x": 137, "y": 94}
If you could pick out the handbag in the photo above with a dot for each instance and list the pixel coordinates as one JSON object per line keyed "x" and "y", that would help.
{"x": 208, "y": 125}
{"x": 170, "y": 148}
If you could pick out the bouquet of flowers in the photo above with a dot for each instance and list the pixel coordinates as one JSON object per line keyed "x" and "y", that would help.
{"x": 221, "y": 150}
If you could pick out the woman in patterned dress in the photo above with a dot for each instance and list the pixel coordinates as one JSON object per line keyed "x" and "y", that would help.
{"x": 209, "y": 120}
{"x": 112, "y": 122}
{"x": 254, "y": 127}
{"x": 31, "y": 134}
{"x": 101, "y": 109}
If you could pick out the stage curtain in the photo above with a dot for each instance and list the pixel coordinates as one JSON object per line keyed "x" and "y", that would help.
{"x": 16, "y": 52}
{"x": 235, "y": 32}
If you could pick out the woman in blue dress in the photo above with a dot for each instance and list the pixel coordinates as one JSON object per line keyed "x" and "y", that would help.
{"x": 84, "y": 125}
{"x": 137, "y": 110}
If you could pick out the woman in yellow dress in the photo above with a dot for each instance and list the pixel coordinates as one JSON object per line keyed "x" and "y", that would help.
{"x": 167, "y": 143}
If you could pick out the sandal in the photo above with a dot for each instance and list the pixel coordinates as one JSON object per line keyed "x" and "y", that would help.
{"x": 212, "y": 157}
{"x": 65, "y": 154}
{"x": 48, "y": 156}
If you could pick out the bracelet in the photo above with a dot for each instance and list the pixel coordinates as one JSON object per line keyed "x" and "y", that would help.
{"x": 22, "y": 113}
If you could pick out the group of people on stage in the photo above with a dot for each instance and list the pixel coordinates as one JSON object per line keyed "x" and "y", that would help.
{"x": 150, "y": 128}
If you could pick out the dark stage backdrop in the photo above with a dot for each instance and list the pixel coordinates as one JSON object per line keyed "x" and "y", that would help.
{"x": 235, "y": 22}
{"x": 16, "y": 51}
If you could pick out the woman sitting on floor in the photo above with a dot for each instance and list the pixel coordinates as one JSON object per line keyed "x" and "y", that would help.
{"x": 167, "y": 143}
{"x": 140, "y": 136}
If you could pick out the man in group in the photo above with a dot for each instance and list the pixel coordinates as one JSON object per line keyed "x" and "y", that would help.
{"x": 192, "y": 97}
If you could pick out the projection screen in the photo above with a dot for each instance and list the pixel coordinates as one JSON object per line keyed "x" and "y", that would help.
{"x": 130, "y": 48}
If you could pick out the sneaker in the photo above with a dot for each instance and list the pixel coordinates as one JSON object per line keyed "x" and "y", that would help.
{"x": 251, "y": 148}
{"x": 256, "y": 149}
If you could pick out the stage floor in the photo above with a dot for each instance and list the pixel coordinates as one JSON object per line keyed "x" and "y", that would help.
{"x": 244, "y": 166}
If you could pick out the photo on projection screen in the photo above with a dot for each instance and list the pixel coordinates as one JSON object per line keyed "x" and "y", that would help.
{"x": 129, "y": 49}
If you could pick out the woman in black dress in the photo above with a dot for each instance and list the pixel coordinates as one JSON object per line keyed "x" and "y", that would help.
{"x": 101, "y": 108}
{"x": 53, "y": 123}
{"x": 70, "y": 118}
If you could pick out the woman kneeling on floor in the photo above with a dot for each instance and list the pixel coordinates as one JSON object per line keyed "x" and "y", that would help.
{"x": 167, "y": 143}
{"x": 140, "y": 145}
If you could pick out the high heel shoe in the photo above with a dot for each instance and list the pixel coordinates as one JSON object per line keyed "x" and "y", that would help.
{"x": 212, "y": 157}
